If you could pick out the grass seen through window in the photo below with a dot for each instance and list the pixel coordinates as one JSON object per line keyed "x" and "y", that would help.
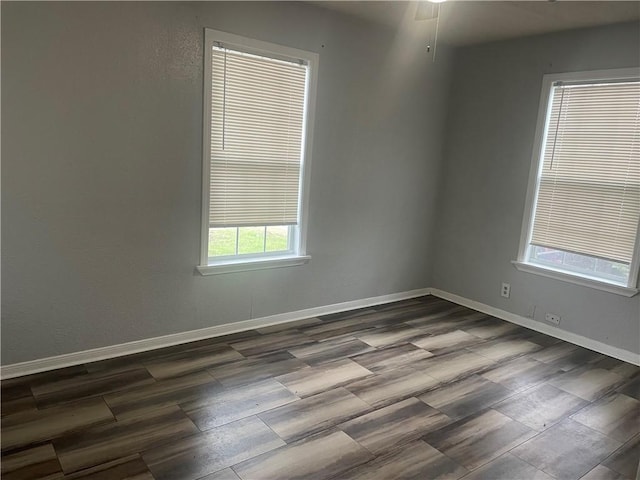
{"x": 247, "y": 240}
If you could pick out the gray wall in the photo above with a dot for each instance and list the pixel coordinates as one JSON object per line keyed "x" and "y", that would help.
{"x": 492, "y": 119}
{"x": 101, "y": 170}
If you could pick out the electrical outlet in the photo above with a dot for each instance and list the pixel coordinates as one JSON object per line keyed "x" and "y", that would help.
{"x": 506, "y": 290}
{"x": 552, "y": 318}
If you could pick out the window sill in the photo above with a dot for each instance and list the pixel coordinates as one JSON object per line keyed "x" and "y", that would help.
{"x": 575, "y": 279}
{"x": 255, "y": 264}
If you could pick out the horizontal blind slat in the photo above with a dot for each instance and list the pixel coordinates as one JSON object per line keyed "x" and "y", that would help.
{"x": 256, "y": 139}
{"x": 588, "y": 198}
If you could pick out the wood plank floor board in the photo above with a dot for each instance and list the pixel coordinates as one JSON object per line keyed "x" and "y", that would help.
{"x": 394, "y": 425}
{"x": 197, "y": 455}
{"x": 446, "y": 342}
{"x": 386, "y": 336}
{"x": 392, "y": 386}
{"x": 314, "y": 414}
{"x": 119, "y": 364}
{"x": 317, "y": 457}
{"x": 124, "y": 468}
{"x": 464, "y": 397}
{"x": 459, "y": 318}
{"x": 180, "y": 363}
{"x": 226, "y": 474}
{"x": 624, "y": 461}
{"x": 420, "y": 388}
{"x": 381, "y": 319}
{"x": 589, "y": 384}
{"x": 435, "y": 313}
{"x": 30, "y": 428}
{"x": 338, "y": 328}
{"x": 104, "y": 443}
{"x": 395, "y": 306}
{"x": 136, "y": 360}
{"x": 414, "y": 461}
{"x": 323, "y": 377}
{"x": 541, "y": 339}
{"x": 256, "y": 368}
{"x": 619, "y": 367}
{"x": 398, "y": 315}
{"x": 389, "y": 358}
{"x": 566, "y": 356}
{"x": 45, "y": 377}
{"x": 272, "y": 343}
{"x": 36, "y": 462}
{"x": 236, "y": 337}
{"x": 235, "y": 403}
{"x": 493, "y": 328}
{"x": 368, "y": 321}
{"x": 502, "y": 349}
{"x": 631, "y": 387}
{"x": 521, "y": 373}
{"x": 540, "y": 407}
{"x": 161, "y": 394}
{"x": 17, "y": 399}
{"x": 331, "y": 350}
{"x": 615, "y": 415}
{"x": 554, "y": 353}
{"x": 454, "y": 366}
{"x": 507, "y": 467}
{"x": 478, "y": 439}
{"x": 566, "y": 450}
{"x": 356, "y": 312}
{"x": 89, "y": 385}
{"x": 600, "y": 472}
{"x": 580, "y": 357}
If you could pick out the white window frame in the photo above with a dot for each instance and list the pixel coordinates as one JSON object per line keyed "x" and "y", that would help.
{"x": 298, "y": 254}
{"x": 522, "y": 262}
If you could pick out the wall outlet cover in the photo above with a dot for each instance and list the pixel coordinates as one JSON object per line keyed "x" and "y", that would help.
{"x": 552, "y": 318}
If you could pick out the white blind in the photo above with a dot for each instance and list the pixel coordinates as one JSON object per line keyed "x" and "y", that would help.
{"x": 257, "y": 108}
{"x": 589, "y": 191}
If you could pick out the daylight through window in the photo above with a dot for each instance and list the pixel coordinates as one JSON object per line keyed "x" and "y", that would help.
{"x": 586, "y": 209}
{"x": 256, "y": 129}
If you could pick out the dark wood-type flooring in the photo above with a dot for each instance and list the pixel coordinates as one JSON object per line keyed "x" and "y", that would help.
{"x": 418, "y": 389}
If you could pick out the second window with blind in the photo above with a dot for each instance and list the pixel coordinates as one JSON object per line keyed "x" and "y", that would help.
{"x": 258, "y": 117}
{"x": 583, "y": 208}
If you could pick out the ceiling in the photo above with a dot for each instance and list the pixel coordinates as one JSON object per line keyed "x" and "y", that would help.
{"x": 469, "y": 22}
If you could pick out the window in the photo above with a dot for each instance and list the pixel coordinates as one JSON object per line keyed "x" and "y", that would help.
{"x": 258, "y": 112}
{"x": 583, "y": 206}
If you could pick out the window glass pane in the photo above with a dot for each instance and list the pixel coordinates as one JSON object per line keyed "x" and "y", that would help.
{"x": 277, "y": 238}
{"x": 588, "y": 198}
{"x": 607, "y": 270}
{"x": 257, "y": 96}
{"x": 222, "y": 241}
{"x": 250, "y": 240}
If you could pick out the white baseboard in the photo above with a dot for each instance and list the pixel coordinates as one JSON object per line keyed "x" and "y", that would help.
{"x": 102, "y": 353}
{"x": 574, "y": 338}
